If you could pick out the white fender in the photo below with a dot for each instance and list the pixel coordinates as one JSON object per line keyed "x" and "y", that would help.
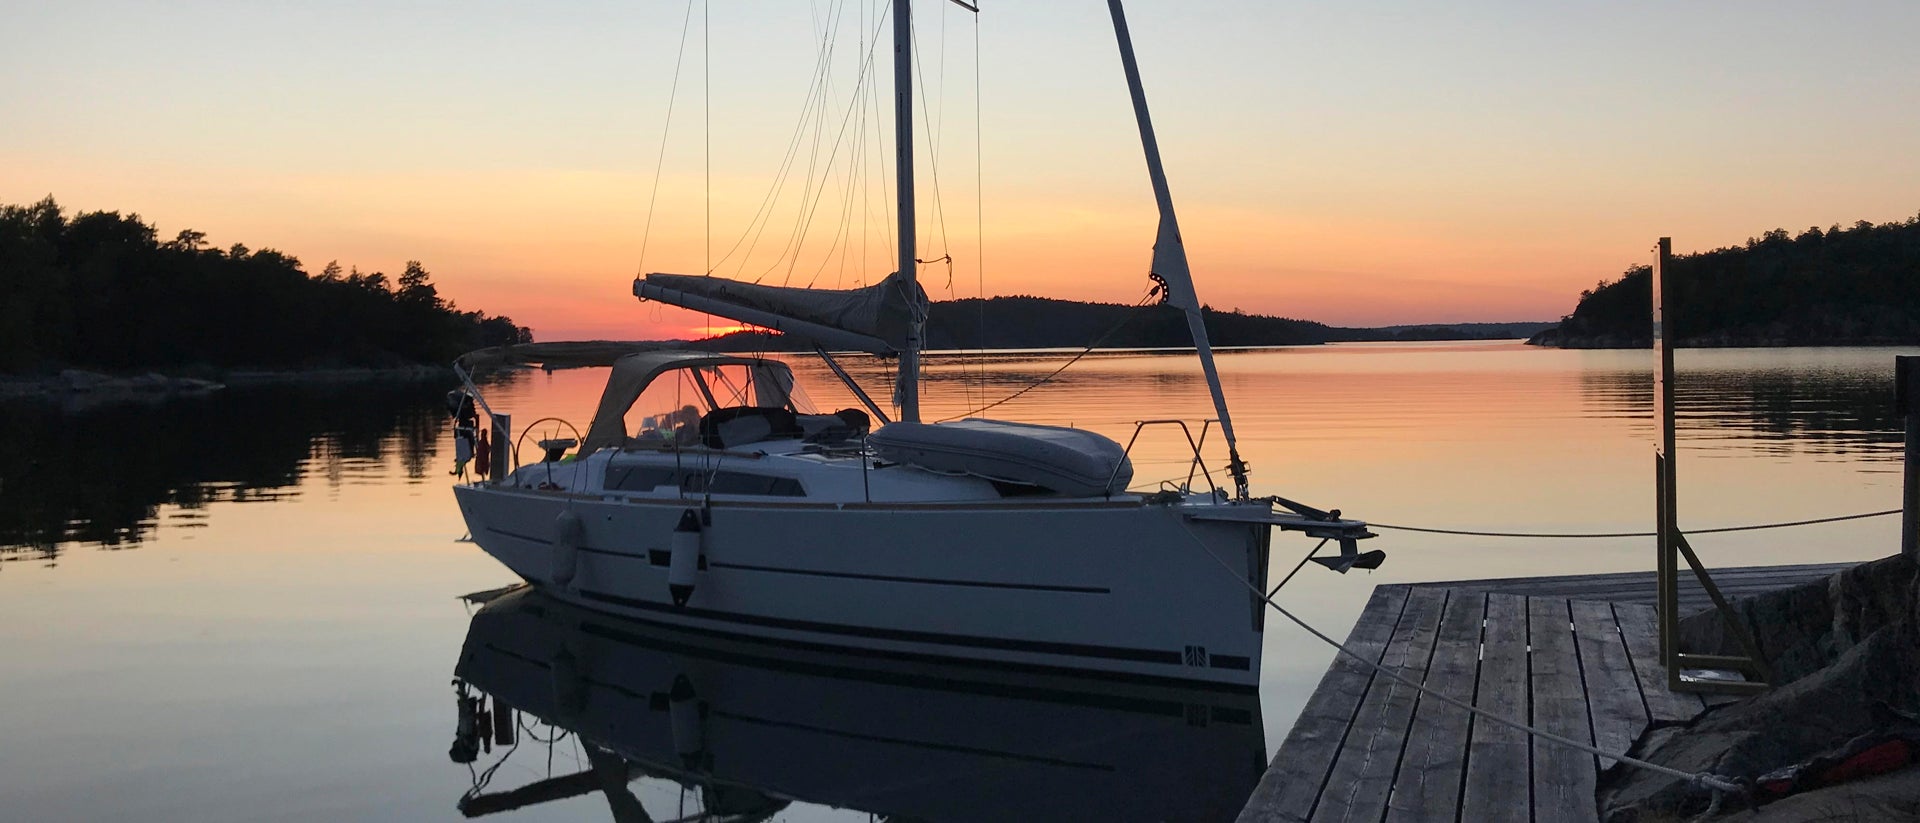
{"x": 684, "y": 718}
{"x": 684, "y": 561}
{"x": 566, "y": 547}
{"x": 569, "y": 687}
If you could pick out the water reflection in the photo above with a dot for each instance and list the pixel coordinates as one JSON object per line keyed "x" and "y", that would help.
{"x": 101, "y": 474}
{"x": 1839, "y": 402}
{"x": 668, "y": 723}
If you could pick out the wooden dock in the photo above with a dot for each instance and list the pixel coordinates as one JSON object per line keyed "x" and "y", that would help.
{"x": 1578, "y": 656}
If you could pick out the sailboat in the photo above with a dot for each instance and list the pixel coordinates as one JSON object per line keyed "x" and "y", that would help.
{"x": 709, "y": 495}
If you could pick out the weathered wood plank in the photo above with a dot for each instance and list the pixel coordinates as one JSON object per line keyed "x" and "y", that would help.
{"x": 1428, "y": 786}
{"x": 1613, "y": 694}
{"x": 1639, "y": 627}
{"x": 1292, "y": 784}
{"x": 1499, "y": 770}
{"x": 1806, "y": 571}
{"x": 1638, "y": 587}
{"x": 1363, "y": 774}
{"x": 1563, "y": 777}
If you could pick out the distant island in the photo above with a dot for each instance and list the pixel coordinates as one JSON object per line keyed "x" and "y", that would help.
{"x": 102, "y": 291}
{"x": 1024, "y": 322}
{"x": 1841, "y": 286}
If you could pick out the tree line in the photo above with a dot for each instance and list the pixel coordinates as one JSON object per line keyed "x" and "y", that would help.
{"x": 1028, "y": 322}
{"x": 1858, "y": 285}
{"x": 102, "y": 290}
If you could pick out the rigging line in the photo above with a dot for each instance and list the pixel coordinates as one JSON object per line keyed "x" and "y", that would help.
{"x": 844, "y": 230}
{"x": 979, "y": 210}
{"x": 1583, "y": 535}
{"x": 940, "y": 80}
{"x": 833, "y": 153}
{"x": 1714, "y": 782}
{"x": 880, "y": 141}
{"x": 706, "y": 129}
{"x": 1063, "y": 367}
{"x": 763, "y": 217}
{"x": 673, "y": 90}
{"x": 809, "y": 196}
{"x": 933, "y": 149}
{"x": 772, "y": 197}
{"x": 797, "y": 236}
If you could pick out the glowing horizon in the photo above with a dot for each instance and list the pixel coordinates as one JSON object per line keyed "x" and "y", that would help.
{"x": 1356, "y": 167}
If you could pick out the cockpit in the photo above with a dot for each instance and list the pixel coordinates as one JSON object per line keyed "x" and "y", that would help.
{"x": 676, "y": 400}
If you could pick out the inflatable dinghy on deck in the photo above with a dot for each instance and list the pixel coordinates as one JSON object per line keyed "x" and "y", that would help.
{"x": 1072, "y": 462}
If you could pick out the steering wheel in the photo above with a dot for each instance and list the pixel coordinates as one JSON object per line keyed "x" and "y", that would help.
{"x": 577, "y": 439}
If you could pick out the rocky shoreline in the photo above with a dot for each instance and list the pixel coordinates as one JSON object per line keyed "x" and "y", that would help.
{"x": 78, "y": 385}
{"x": 1554, "y": 338}
{"x": 1837, "y": 738}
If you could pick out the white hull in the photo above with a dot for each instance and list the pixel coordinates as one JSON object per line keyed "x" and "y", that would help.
{"x": 1112, "y": 586}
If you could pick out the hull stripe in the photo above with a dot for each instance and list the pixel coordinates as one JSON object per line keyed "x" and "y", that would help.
{"x": 1172, "y": 658}
{"x": 973, "y": 662}
{"x": 933, "y": 581}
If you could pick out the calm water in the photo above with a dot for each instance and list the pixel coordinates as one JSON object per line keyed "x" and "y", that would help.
{"x": 246, "y": 606}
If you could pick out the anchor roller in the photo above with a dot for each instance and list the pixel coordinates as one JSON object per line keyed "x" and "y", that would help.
{"x": 684, "y": 560}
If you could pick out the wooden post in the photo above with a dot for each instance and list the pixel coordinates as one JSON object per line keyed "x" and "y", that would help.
{"x": 1906, "y": 388}
{"x": 1671, "y": 543}
{"x": 1667, "y": 599}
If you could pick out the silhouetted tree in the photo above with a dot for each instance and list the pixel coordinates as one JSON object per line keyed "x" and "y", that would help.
{"x": 1858, "y": 285}
{"x": 101, "y": 291}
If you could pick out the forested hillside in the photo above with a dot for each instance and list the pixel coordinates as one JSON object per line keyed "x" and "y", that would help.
{"x": 1023, "y": 322}
{"x": 101, "y": 290}
{"x": 1851, "y": 286}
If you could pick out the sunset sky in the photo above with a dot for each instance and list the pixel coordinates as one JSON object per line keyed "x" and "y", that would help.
{"x": 1353, "y": 163}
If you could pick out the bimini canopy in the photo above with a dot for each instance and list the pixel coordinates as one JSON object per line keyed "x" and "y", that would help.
{"x": 581, "y": 354}
{"x": 873, "y": 319}
{"x": 772, "y": 386}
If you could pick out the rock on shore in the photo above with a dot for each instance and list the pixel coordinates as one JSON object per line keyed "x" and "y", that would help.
{"x": 1845, "y": 658}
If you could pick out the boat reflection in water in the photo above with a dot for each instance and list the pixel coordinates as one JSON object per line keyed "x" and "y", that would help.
{"x": 750, "y": 728}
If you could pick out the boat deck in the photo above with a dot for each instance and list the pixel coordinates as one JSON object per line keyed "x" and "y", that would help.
{"x": 1578, "y": 656}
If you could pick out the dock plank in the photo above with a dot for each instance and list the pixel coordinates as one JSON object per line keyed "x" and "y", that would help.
{"x": 1563, "y": 777}
{"x": 1292, "y": 784}
{"x": 1578, "y": 656}
{"x": 1435, "y": 761}
{"x": 1613, "y": 694}
{"x": 1363, "y": 773}
{"x": 1499, "y": 770}
{"x": 1638, "y": 587}
{"x": 1639, "y": 628}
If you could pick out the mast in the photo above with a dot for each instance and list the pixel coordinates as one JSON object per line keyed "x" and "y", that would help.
{"x": 1169, "y": 254}
{"x": 908, "y": 387}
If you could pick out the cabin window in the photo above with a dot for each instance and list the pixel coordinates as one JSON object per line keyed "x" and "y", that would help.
{"x": 694, "y": 481}
{"x": 668, "y": 411}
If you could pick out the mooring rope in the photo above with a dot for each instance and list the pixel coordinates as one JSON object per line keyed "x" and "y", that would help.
{"x": 1584, "y": 535}
{"x": 1714, "y": 782}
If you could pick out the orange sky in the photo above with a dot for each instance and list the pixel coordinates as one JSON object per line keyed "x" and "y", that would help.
{"x": 1396, "y": 163}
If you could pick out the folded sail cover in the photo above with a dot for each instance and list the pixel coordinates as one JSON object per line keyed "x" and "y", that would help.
{"x": 871, "y": 319}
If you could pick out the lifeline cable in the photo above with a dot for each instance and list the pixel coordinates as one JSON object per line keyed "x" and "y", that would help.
{"x": 1584, "y": 535}
{"x": 1064, "y": 366}
{"x": 1716, "y": 783}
